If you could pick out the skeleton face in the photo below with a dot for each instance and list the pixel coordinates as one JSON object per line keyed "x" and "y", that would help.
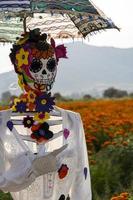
{"x": 43, "y": 72}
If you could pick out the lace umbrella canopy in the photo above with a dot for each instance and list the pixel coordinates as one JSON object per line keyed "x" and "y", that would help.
{"x": 59, "y": 19}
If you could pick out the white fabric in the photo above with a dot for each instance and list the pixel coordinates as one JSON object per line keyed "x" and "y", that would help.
{"x": 48, "y": 186}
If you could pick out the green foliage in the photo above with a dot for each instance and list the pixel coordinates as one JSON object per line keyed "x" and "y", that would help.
{"x": 5, "y": 196}
{"x": 101, "y": 138}
{"x": 5, "y": 98}
{"x": 112, "y": 173}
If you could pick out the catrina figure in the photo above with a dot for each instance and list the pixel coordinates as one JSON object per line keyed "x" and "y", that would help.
{"x": 42, "y": 147}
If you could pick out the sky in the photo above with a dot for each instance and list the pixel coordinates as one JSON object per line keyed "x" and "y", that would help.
{"x": 120, "y": 11}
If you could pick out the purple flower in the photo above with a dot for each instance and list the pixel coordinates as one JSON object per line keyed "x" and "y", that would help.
{"x": 21, "y": 106}
{"x": 45, "y": 103}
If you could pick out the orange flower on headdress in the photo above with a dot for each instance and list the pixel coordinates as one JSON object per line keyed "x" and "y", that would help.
{"x": 36, "y": 53}
{"x": 43, "y": 54}
{"x": 50, "y": 52}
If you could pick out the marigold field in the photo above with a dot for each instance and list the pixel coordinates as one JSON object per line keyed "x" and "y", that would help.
{"x": 106, "y": 122}
{"x": 108, "y": 128}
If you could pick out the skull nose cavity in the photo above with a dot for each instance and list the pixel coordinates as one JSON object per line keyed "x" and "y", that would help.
{"x": 44, "y": 72}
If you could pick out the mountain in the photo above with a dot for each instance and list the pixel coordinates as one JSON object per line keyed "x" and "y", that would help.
{"x": 89, "y": 69}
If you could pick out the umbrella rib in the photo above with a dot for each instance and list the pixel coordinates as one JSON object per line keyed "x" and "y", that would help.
{"x": 24, "y": 24}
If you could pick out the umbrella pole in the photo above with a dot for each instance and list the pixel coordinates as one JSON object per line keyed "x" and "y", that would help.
{"x": 24, "y": 24}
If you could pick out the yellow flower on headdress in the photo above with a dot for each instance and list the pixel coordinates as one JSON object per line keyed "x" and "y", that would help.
{"x": 22, "y": 57}
{"x": 31, "y": 96}
{"x": 41, "y": 117}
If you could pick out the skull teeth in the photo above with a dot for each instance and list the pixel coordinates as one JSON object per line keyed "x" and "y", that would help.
{"x": 45, "y": 81}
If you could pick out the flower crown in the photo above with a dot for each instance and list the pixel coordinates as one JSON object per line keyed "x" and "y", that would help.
{"x": 35, "y": 44}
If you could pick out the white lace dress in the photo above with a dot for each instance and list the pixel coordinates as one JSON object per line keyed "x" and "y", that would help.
{"x": 71, "y": 180}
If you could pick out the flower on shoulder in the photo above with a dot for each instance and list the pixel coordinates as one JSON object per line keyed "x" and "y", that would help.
{"x": 45, "y": 103}
{"x": 21, "y": 106}
{"x": 31, "y": 96}
{"x": 41, "y": 117}
{"x": 31, "y": 106}
{"x": 23, "y": 97}
{"x": 41, "y": 132}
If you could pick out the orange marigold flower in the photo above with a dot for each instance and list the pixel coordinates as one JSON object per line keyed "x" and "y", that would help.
{"x": 114, "y": 198}
{"x": 125, "y": 194}
{"x": 106, "y": 143}
{"x": 125, "y": 143}
{"x": 114, "y": 143}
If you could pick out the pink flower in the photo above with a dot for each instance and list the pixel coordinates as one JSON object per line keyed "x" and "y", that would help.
{"x": 60, "y": 50}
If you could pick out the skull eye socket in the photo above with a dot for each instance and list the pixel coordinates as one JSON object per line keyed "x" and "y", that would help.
{"x": 36, "y": 65}
{"x": 51, "y": 64}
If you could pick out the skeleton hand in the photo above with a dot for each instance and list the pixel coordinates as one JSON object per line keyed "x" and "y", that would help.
{"x": 47, "y": 163}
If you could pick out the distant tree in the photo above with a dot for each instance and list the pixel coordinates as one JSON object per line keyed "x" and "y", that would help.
{"x": 6, "y": 97}
{"x": 131, "y": 95}
{"x": 58, "y": 96}
{"x": 115, "y": 93}
{"x": 87, "y": 97}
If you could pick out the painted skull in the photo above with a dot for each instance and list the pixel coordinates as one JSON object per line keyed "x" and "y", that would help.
{"x": 43, "y": 71}
{"x": 35, "y": 61}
